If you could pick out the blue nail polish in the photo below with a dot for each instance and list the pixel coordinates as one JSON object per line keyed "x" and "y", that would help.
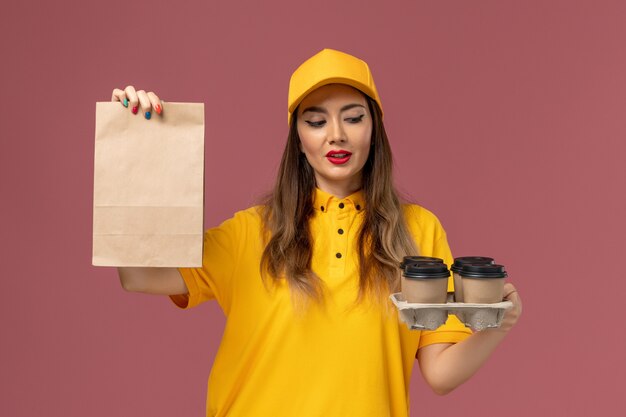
{"x": 125, "y": 102}
{"x": 148, "y": 115}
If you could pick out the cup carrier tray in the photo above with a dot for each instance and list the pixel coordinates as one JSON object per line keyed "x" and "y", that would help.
{"x": 478, "y": 317}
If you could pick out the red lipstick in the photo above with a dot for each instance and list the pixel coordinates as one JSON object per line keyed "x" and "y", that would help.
{"x": 338, "y": 157}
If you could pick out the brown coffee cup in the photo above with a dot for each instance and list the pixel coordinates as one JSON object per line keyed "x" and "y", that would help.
{"x": 456, "y": 267}
{"x": 482, "y": 284}
{"x": 425, "y": 282}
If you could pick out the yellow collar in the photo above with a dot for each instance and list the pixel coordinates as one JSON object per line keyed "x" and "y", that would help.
{"x": 326, "y": 202}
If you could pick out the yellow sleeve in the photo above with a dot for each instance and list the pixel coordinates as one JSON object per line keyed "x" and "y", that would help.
{"x": 214, "y": 278}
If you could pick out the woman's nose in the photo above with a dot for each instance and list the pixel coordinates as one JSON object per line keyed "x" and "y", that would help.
{"x": 336, "y": 132}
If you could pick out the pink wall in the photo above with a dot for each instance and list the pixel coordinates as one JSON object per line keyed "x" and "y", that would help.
{"x": 506, "y": 119}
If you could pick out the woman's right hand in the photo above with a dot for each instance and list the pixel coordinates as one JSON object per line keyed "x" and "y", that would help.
{"x": 148, "y": 102}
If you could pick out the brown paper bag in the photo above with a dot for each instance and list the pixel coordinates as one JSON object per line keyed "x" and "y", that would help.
{"x": 148, "y": 186}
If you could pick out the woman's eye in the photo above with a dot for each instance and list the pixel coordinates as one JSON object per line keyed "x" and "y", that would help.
{"x": 355, "y": 119}
{"x": 316, "y": 124}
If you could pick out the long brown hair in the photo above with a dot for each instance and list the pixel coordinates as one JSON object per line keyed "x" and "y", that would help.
{"x": 382, "y": 241}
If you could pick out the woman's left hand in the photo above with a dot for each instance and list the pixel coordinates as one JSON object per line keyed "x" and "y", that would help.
{"x": 511, "y": 315}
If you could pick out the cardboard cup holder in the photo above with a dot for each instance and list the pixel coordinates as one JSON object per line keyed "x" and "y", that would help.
{"x": 478, "y": 317}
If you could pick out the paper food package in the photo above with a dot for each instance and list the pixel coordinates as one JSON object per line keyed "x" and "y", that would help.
{"x": 149, "y": 186}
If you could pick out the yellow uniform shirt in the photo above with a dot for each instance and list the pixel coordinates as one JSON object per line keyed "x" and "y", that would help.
{"x": 338, "y": 361}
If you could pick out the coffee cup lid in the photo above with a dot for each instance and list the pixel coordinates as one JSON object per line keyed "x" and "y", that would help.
{"x": 459, "y": 262}
{"x": 482, "y": 271}
{"x": 415, "y": 259}
{"x": 426, "y": 270}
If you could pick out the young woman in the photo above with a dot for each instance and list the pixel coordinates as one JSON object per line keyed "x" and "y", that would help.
{"x": 304, "y": 278}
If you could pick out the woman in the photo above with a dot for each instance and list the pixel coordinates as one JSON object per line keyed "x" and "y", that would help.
{"x": 304, "y": 279}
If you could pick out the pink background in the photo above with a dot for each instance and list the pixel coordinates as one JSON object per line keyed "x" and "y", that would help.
{"x": 506, "y": 120}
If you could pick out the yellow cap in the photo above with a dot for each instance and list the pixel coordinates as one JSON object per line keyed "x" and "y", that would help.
{"x": 329, "y": 67}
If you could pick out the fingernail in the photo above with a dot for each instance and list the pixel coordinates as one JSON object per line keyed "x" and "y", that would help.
{"x": 125, "y": 102}
{"x": 148, "y": 115}
{"x": 135, "y": 110}
{"x": 158, "y": 108}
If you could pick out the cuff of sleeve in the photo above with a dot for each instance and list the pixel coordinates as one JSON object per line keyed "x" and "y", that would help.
{"x": 452, "y": 332}
{"x": 443, "y": 337}
{"x": 190, "y": 299}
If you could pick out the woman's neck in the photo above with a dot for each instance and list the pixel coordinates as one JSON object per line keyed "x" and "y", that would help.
{"x": 339, "y": 189}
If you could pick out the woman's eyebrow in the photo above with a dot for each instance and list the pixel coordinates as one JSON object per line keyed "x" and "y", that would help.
{"x": 315, "y": 109}
{"x": 318, "y": 109}
{"x": 351, "y": 106}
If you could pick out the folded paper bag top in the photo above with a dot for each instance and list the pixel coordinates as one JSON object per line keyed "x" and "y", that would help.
{"x": 149, "y": 187}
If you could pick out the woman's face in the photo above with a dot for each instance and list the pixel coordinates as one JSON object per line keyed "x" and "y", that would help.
{"x": 335, "y": 128}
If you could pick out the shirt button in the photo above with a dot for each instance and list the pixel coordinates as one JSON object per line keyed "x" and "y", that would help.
{"x": 341, "y": 205}
{"x": 340, "y": 231}
{"x": 358, "y": 207}
{"x": 338, "y": 255}
{"x": 322, "y": 208}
